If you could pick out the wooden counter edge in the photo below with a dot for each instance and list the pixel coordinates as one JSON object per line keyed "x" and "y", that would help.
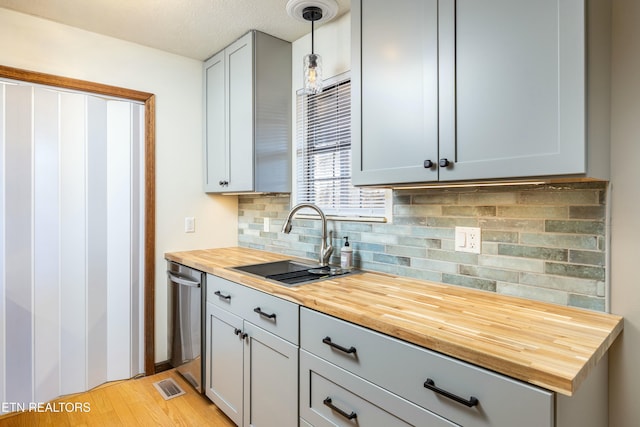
{"x": 555, "y": 382}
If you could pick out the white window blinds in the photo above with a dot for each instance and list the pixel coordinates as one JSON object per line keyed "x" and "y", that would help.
{"x": 323, "y": 138}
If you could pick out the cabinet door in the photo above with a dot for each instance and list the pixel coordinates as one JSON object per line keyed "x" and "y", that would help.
{"x": 395, "y": 91}
{"x": 215, "y": 156}
{"x": 270, "y": 380}
{"x": 513, "y": 104}
{"x": 240, "y": 120}
{"x": 224, "y": 361}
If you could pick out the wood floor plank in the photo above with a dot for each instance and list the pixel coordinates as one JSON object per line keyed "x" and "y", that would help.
{"x": 127, "y": 403}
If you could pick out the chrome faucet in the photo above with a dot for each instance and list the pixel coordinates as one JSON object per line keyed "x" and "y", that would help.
{"x": 325, "y": 248}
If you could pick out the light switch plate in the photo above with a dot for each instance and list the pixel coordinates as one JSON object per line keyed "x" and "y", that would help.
{"x": 189, "y": 224}
{"x": 468, "y": 239}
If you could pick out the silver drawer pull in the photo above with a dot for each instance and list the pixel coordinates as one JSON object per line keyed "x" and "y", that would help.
{"x": 432, "y": 386}
{"x": 333, "y": 407}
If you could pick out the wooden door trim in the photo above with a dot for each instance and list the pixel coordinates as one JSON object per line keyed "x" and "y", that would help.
{"x": 149, "y": 186}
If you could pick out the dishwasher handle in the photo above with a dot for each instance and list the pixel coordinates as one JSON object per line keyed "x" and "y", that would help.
{"x": 181, "y": 280}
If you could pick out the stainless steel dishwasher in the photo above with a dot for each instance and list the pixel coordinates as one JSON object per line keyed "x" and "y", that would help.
{"x": 186, "y": 300}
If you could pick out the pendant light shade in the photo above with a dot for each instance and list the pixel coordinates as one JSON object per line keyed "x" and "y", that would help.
{"x": 312, "y": 11}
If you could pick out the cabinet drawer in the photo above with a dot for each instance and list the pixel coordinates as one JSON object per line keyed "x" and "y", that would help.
{"x": 271, "y": 313}
{"x": 404, "y": 368}
{"x": 225, "y": 294}
{"x": 331, "y": 396}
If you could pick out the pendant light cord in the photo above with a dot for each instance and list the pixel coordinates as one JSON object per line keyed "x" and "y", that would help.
{"x": 312, "y": 52}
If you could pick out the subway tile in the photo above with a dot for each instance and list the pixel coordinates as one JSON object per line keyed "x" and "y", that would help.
{"x": 529, "y": 211}
{"x": 473, "y": 211}
{"x": 386, "y": 239}
{"x": 391, "y": 259}
{"x": 574, "y": 197}
{"x": 435, "y": 198}
{"x": 470, "y": 282}
{"x": 532, "y": 292}
{"x": 520, "y": 224}
{"x": 567, "y": 284}
{"x": 451, "y": 222}
{"x": 449, "y": 245}
{"x": 434, "y": 265}
{"x": 457, "y": 257}
{"x": 360, "y": 246}
{"x": 575, "y": 226}
{"x": 587, "y": 257}
{"x": 569, "y": 241}
{"x": 486, "y": 248}
{"x": 499, "y": 236}
{"x": 417, "y": 210}
{"x": 588, "y": 302}
{"x": 429, "y": 275}
{"x": 355, "y": 226}
{"x": 512, "y": 263}
{"x": 552, "y": 254}
{"x": 572, "y": 270}
{"x": 433, "y": 232}
{"x": 410, "y": 220}
{"x": 391, "y": 229}
{"x": 587, "y": 212}
{"x": 489, "y": 273}
{"x": 491, "y": 198}
{"x": 408, "y": 251}
{"x": 400, "y": 198}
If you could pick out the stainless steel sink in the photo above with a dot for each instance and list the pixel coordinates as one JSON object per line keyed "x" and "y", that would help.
{"x": 292, "y": 273}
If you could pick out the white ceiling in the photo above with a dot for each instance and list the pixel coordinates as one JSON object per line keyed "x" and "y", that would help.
{"x": 192, "y": 28}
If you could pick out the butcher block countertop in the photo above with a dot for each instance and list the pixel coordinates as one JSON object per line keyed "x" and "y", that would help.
{"x": 552, "y": 346}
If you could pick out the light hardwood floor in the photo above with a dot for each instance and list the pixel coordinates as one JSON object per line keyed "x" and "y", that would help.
{"x": 128, "y": 403}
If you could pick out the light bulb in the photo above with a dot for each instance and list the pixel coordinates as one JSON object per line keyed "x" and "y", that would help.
{"x": 312, "y": 66}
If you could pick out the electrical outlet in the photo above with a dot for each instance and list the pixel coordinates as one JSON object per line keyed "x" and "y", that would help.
{"x": 265, "y": 224}
{"x": 468, "y": 239}
{"x": 189, "y": 224}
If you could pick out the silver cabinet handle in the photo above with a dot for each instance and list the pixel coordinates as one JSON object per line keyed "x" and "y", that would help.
{"x": 181, "y": 280}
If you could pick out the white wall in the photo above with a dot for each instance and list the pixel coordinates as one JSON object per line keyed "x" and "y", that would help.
{"x": 39, "y": 45}
{"x": 624, "y": 370}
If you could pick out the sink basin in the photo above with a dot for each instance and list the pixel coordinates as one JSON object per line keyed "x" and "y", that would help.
{"x": 292, "y": 273}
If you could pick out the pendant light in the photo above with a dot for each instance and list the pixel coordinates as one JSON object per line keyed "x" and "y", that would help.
{"x": 314, "y": 11}
{"x": 312, "y": 63}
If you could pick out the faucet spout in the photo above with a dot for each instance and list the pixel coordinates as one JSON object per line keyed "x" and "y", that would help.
{"x": 326, "y": 249}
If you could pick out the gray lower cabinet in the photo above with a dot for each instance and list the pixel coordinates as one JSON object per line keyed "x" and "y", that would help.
{"x": 331, "y": 396}
{"x": 449, "y": 90}
{"x": 248, "y": 116}
{"x": 224, "y": 363}
{"x": 251, "y": 373}
{"x": 441, "y": 387}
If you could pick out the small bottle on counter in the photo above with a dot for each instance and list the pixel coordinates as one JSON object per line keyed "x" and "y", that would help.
{"x": 346, "y": 255}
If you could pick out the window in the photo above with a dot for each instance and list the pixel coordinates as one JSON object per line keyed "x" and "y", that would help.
{"x": 323, "y": 156}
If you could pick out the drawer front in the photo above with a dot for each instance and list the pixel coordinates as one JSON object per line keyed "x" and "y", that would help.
{"x": 273, "y": 314}
{"x": 225, "y": 294}
{"x": 331, "y": 396}
{"x": 404, "y": 368}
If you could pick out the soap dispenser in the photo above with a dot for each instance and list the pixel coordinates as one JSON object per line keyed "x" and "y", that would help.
{"x": 346, "y": 255}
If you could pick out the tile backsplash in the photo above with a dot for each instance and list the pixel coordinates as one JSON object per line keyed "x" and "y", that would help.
{"x": 543, "y": 242}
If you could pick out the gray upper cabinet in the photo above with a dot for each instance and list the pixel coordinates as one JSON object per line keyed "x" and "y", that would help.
{"x": 478, "y": 89}
{"x": 248, "y": 116}
{"x": 395, "y": 95}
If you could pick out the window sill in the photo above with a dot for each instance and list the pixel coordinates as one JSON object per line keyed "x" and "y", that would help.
{"x": 378, "y": 219}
